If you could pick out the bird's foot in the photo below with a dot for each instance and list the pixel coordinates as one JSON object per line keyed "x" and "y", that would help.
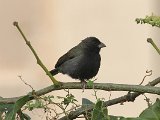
{"x": 83, "y": 83}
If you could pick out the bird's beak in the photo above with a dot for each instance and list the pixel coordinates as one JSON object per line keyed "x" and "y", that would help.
{"x": 101, "y": 45}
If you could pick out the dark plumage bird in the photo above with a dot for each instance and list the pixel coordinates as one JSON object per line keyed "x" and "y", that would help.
{"x": 82, "y": 61}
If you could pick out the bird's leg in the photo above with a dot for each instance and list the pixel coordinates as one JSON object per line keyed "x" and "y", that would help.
{"x": 83, "y": 83}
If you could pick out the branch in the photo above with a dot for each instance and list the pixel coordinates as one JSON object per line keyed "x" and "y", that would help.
{"x": 126, "y": 98}
{"x": 153, "y": 44}
{"x": 39, "y": 62}
{"x": 101, "y": 86}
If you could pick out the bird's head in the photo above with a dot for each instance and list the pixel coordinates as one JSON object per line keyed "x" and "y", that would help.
{"x": 92, "y": 44}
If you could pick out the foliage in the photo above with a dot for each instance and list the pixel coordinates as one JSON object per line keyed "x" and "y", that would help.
{"x": 150, "y": 113}
{"x": 10, "y": 110}
{"x": 99, "y": 112}
{"x": 152, "y": 20}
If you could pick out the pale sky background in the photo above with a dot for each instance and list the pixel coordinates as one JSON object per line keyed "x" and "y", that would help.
{"x": 55, "y": 26}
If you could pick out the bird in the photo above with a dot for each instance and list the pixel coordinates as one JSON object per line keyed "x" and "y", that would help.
{"x": 82, "y": 61}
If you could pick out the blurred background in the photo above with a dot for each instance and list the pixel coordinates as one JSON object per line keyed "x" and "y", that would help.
{"x": 55, "y": 26}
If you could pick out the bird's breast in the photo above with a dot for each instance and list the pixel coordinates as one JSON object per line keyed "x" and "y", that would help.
{"x": 88, "y": 66}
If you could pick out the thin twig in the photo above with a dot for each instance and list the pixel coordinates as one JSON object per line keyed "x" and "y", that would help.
{"x": 25, "y": 82}
{"x": 147, "y": 100}
{"x": 148, "y": 73}
{"x": 95, "y": 93}
{"x": 110, "y": 94}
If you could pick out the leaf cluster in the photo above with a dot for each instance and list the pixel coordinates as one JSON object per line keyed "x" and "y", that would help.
{"x": 152, "y": 20}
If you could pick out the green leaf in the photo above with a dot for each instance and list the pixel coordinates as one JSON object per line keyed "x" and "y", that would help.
{"x": 66, "y": 101}
{"x": 48, "y": 98}
{"x": 86, "y": 101}
{"x": 16, "y": 107}
{"x": 99, "y": 113}
{"x": 90, "y": 83}
{"x": 6, "y": 107}
{"x": 69, "y": 99}
{"x": 152, "y": 112}
{"x": 38, "y": 104}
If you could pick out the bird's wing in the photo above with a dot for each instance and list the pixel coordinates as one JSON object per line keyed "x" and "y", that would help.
{"x": 69, "y": 55}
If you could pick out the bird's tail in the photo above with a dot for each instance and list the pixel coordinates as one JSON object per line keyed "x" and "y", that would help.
{"x": 54, "y": 72}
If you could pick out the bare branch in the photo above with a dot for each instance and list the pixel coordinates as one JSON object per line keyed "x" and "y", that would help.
{"x": 39, "y": 62}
